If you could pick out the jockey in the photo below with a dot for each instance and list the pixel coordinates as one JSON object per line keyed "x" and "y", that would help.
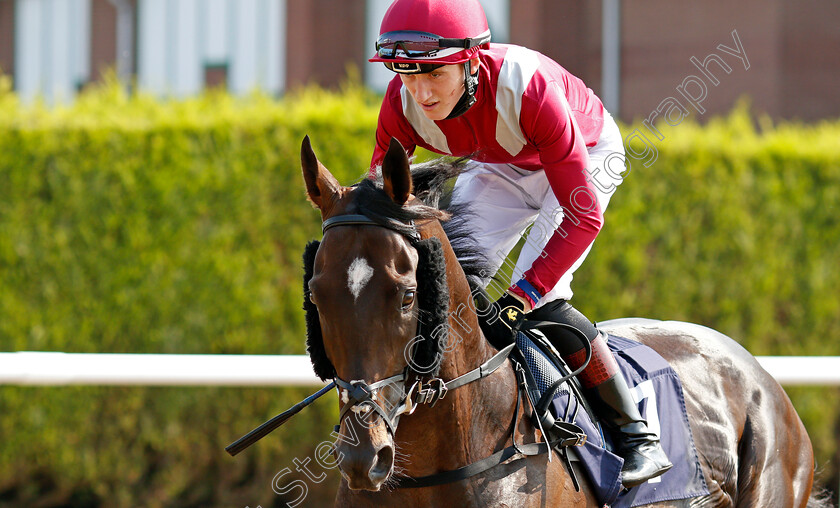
{"x": 537, "y": 139}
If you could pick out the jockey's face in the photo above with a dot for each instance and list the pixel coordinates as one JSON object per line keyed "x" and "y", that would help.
{"x": 437, "y": 92}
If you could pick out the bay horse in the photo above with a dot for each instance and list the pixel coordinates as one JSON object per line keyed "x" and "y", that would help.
{"x": 366, "y": 288}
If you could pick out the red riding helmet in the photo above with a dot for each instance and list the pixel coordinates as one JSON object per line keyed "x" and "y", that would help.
{"x": 417, "y": 35}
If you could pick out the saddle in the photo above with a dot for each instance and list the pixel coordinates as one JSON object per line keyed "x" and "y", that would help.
{"x": 567, "y": 415}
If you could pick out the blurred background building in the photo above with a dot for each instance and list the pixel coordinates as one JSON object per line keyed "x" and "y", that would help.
{"x": 636, "y": 54}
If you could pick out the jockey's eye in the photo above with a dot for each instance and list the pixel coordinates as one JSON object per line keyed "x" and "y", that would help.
{"x": 408, "y": 298}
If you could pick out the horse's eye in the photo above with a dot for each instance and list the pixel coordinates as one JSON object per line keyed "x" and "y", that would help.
{"x": 408, "y": 299}
{"x": 309, "y": 295}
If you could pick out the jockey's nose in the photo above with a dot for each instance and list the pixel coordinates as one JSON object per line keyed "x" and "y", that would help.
{"x": 422, "y": 91}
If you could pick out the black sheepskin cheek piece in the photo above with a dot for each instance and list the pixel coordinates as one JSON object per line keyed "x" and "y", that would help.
{"x": 322, "y": 365}
{"x": 433, "y": 301}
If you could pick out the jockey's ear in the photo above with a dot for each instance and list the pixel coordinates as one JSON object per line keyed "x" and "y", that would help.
{"x": 396, "y": 174}
{"x": 473, "y": 65}
{"x": 320, "y": 183}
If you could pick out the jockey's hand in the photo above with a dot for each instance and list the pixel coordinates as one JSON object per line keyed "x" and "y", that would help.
{"x": 512, "y": 310}
{"x": 497, "y": 333}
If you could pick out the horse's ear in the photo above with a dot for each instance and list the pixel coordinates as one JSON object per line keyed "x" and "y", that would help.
{"x": 396, "y": 174}
{"x": 320, "y": 183}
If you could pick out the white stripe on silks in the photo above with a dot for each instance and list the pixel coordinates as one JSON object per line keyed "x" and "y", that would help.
{"x": 427, "y": 129}
{"x": 518, "y": 68}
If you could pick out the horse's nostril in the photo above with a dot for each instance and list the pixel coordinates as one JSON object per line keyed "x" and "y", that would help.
{"x": 382, "y": 465}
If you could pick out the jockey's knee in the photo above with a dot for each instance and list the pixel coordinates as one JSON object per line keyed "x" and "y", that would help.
{"x": 565, "y": 341}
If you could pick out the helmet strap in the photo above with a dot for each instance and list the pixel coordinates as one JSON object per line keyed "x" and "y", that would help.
{"x": 468, "y": 98}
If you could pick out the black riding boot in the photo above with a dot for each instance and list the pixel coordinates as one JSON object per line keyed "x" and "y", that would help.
{"x": 608, "y": 394}
{"x": 643, "y": 455}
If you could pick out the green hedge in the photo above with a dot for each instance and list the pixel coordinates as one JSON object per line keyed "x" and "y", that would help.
{"x": 129, "y": 224}
{"x": 137, "y": 226}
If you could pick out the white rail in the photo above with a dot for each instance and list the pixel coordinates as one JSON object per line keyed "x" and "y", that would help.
{"x": 59, "y": 369}
{"x": 39, "y": 368}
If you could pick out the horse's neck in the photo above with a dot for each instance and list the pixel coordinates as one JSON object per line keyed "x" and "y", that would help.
{"x": 471, "y": 420}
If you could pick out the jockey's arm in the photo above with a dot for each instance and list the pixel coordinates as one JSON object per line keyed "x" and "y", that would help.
{"x": 547, "y": 121}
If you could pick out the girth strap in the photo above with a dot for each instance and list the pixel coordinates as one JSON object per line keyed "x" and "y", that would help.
{"x": 462, "y": 473}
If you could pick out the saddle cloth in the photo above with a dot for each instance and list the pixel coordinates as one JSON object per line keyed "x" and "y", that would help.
{"x": 658, "y": 390}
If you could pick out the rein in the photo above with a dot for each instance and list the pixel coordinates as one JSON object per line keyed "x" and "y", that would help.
{"x": 359, "y": 392}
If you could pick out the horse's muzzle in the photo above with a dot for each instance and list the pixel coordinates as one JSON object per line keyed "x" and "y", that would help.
{"x": 366, "y": 467}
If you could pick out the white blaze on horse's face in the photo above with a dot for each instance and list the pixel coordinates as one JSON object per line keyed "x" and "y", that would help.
{"x": 358, "y": 276}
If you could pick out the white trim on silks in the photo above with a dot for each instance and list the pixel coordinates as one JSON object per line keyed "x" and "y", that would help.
{"x": 501, "y": 198}
{"x": 427, "y": 129}
{"x": 518, "y": 68}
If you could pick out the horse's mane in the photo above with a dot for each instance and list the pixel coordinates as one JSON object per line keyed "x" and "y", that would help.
{"x": 432, "y": 186}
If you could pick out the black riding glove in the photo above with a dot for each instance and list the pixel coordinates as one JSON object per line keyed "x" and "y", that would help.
{"x": 500, "y": 320}
{"x": 511, "y": 311}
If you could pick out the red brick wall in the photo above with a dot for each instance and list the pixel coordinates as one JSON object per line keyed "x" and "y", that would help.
{"x": 323, "y": 37}
{"x": 660, "y": 36}
{"x": 103, "y": 44}
{"x": 791, "y": 47}
{"x": 794, "y": 64}
{"x": 562, "y": 30}
{"x": 809, "y": 49}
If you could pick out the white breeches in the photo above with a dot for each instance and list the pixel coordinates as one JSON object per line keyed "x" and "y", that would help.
{"x": 505, "y": 200}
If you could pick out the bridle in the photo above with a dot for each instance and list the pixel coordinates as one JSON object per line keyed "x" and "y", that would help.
{"x": 360, "y": 393}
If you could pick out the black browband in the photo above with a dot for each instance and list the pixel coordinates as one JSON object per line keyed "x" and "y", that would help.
{"x": 352, "y": 219}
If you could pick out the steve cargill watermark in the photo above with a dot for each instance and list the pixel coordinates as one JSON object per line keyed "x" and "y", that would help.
{"x": 325, "y": 456}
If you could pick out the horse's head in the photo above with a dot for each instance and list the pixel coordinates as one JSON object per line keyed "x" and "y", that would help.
{"x": 373, "y": 278}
